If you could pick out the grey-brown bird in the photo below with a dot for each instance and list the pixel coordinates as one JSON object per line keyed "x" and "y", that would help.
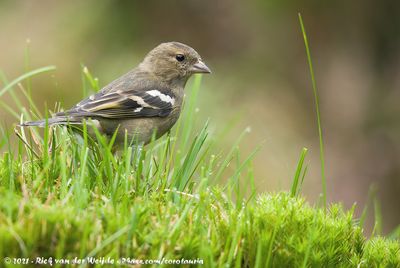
{"x": 146, "y": 100}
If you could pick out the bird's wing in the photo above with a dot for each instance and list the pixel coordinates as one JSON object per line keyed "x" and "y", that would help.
{"x": 125, "y": 104}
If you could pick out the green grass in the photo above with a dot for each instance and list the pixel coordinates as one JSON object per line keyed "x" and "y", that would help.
{"x": 317, "y": 111}
{"x": 63, "y": 197}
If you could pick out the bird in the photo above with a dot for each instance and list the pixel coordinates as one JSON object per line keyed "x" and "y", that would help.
{"x": 145, "y": 101}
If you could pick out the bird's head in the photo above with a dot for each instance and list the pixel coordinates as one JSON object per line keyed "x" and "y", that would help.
{"x": 174, "y": 62}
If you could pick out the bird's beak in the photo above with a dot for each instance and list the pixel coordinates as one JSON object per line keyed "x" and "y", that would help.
{"x": 200, "y": 67}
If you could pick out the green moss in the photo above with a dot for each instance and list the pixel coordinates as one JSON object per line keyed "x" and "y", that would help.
{"x": 276, "y": 228}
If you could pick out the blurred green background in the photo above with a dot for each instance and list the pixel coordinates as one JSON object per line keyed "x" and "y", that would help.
{"x": 260, "y": 77}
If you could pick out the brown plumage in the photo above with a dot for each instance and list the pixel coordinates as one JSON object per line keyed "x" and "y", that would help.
{"x": 147, "y": 99}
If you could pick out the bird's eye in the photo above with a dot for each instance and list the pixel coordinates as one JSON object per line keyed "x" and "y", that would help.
{"x": 180, "y": 57}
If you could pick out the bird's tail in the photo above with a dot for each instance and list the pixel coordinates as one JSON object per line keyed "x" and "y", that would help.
{"x": 59, "y": 120}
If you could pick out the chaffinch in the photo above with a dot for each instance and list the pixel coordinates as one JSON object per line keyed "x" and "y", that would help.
{"x": 146, "y": 100}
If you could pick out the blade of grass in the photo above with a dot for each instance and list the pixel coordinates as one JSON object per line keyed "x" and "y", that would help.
{"x": 316, "y": 99}
{"x": 271, "y": 248}
{"x": 25, "y": 76}
{"x": 229, "y": 156}
{"x": 395, "y": 234}
{"x": 27, "y": 67}
{"x": 190, "y": 107}
{"x": 18, "y": 103}
{"x": 364, "y": 213}
{"x": 295, "y": 185}
{"x": 93, "y": 81}
{"x": 377, "y": 213}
